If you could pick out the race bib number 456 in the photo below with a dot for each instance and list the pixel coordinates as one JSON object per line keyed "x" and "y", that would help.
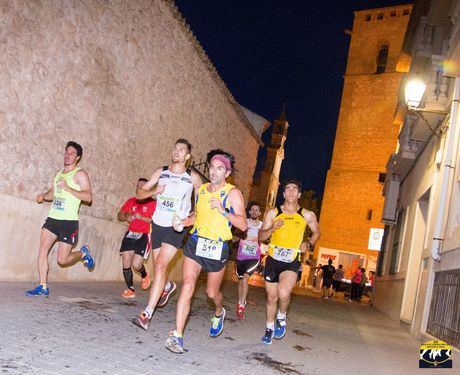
{"x": 283, "y": 254}
{"x": 167, "y": 204}
{"x": 209, "y": 249}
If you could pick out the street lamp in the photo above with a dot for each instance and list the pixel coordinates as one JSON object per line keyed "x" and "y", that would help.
{"x": 414, "y": 91}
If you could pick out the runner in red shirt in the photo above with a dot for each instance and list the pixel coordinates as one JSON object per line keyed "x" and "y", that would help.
{"x": 135, "y": 246}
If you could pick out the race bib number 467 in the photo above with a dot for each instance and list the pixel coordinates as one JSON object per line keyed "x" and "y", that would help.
{"x": 209, "y": 249}
{"x": 283, "y": 254}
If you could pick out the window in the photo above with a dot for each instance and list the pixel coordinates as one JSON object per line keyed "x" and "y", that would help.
{"x": 368, "y": 17}
{"x": 369, "y": 215}
{"x": 405, "y": 12}
{"x": 380, "y": 16}
{"x": 382, "y": 59}
{"x": 393, "y": 13}
{"x": 397, "y": 242}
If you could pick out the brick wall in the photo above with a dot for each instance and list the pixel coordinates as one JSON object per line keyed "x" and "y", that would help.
{"x": 125, "y": 79}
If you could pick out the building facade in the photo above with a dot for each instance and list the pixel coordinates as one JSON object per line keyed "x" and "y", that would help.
{"x": 366, "y": 134}
{"x": 418, "y": 279}
{"x": 123, "y": 79}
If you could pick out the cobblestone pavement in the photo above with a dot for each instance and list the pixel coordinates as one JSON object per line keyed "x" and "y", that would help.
{"x": 85, "y": 328}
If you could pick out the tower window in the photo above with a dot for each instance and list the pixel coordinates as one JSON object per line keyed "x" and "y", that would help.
{"x": 369, "y": 215}
{"x": 380, "y": 16}
{"x": 368, "y": 17}
{"x": 393, "y": 13}
{"x": 405, "y": 12}
{"x": 382, "y": 59}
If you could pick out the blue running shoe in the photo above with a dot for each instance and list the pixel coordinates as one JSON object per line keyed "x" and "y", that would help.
{"x": 217, "y": 324}
{"x": 175, "y": 344}
{"x": 87, "y": 259}
{"x": 280, "y": 328}
{"x": 38, "y": 291}
{"x": 268, "y": 337}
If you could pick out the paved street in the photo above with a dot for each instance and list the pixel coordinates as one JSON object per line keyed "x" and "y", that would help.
{"x": 84, "y": 328}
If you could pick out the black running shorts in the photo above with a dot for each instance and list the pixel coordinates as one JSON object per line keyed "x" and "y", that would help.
{"x": 208, "y": 265}
{"x": 65, "y": 230}
{"x": 137, "y": 242}
{"x": 274, "y": 268}
{"x": 166, "y": 235}
{"x": 246, "y": 266}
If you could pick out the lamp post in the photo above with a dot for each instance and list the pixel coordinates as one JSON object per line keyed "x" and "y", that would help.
{"x": 414, "y": 91}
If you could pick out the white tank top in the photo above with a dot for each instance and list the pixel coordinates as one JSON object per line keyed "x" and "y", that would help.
{"x": 175, "y": 199}
{"x": 253, "y": 231}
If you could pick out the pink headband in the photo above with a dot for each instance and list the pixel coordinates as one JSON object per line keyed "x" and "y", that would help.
{"x": 224, "y": 160}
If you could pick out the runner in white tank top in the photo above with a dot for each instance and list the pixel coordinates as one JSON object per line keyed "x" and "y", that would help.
{"x": 175, "y": 184}
{"x": 248, "y": 256}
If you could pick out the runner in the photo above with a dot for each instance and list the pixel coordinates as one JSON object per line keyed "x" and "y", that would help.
{"x": 248, "y": 256}
{"x": 70, "y": 186}
{"x": 174, "y": 191}
{"x": 286, "y": 225}
{"x": 135, "y": 246}
{"x": 219, "y": 205}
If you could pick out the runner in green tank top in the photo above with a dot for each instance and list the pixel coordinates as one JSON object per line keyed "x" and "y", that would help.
{"x": 71, "y": 185}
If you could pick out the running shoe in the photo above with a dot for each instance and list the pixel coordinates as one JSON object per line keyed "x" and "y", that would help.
{"x": 87, "y": 259}
{"x": 280, "y": 329}
{"x": 240, "y": 310}
{"x": 166, "y": 294}
{"x": 217, "y": 324}
{"x": 38, "y": 291}
{"x": 145, "y": 283}
{"x": 268, "y": 337}
{"x": 175, "y": 344}
{"x": 128, "y": 293}
{"x": 142, "y": 321}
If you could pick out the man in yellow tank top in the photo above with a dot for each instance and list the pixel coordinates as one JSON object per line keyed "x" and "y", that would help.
{"x": 70, "y": 186}
{"x": 219, "y": 206}
{"x": 285, "y": 226}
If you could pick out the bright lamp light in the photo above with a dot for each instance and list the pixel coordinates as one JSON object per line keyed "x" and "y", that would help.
{"x": 415, "y": 89}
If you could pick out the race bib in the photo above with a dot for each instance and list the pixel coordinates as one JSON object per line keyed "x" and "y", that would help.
{"x": 59, "y": 204}
{"x": 168, "y": 204}
{"x": 209, "y": 249}
{"x": 134, "y": 235}
{"x": 250, "y": 249}
{"x": 284, "y": 255}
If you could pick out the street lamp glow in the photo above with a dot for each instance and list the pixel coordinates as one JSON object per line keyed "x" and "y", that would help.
{"x": 415, "y": 89}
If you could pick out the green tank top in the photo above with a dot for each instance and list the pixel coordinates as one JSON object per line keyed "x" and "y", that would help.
{"x": 65, "y": 206}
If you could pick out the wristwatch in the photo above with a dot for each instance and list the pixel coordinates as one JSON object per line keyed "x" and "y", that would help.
{"x": 226, "y": 212}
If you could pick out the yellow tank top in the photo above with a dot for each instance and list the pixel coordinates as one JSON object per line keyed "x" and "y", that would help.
{"x": 65, "y": 206}
{"x": 210, "y": 223}
{"x": 290, "y": 235}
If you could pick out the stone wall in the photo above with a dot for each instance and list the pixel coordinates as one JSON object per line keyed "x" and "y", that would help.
{"x": 125, "y": 79}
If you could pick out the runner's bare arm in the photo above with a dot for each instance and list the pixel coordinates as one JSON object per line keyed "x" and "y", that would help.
{"x": 267, "y": 227}
{"x": 196, "y": 181}
{"x": 145, "y": 191}
{"x": 312, "y": 223}
{"x": 238, "y": 217}
{"x": 82, "y": 179}
{"x": 47, "y": 196}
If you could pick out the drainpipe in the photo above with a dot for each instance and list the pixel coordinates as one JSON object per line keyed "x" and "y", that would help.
{"x": 447, "y": 172}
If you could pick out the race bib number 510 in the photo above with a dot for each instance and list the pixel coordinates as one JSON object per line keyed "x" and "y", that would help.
{"x": 209, "y": 249}
{"x": 284, "y": 254}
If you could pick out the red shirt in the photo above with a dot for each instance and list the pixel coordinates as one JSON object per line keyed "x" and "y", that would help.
{"x": 145, "y": 208}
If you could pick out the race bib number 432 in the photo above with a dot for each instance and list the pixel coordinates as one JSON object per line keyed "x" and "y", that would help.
{"x": 284, "y": 254}
{"x": 250, "y": 249}
{"x": 209, "y": 249}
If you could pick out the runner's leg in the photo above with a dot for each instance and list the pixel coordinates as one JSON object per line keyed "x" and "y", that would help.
{"x": 47, "y": 239}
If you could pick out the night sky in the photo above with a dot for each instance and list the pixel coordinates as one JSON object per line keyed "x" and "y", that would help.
{"x": 272, "y": 51}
